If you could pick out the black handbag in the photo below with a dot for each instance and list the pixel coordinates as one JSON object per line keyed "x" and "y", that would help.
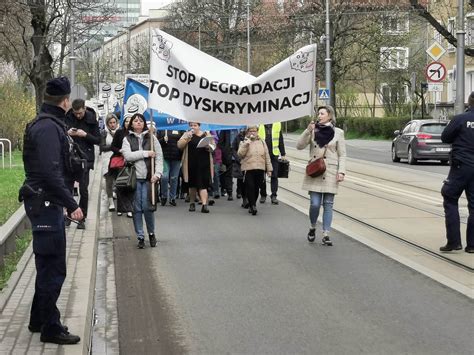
{"x": 283, "y": 168}
{"x": 126, "y": 178}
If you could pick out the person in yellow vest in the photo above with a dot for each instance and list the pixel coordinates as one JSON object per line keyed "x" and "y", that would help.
{"x": 273, "y": 137}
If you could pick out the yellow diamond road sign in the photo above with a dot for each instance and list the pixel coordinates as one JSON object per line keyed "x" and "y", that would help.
{"x": 435, "y": 51}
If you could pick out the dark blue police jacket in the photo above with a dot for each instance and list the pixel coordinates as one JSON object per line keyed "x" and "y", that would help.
{"x": 44, "y": 158}
{"x": 460, "y": 134}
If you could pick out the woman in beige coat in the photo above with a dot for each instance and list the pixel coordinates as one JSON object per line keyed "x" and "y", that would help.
{"x": 254, "y": 162}
{"x": 325, "y": 139}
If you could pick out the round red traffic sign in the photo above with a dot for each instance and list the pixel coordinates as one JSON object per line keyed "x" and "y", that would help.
{"x": 435, "y": 72}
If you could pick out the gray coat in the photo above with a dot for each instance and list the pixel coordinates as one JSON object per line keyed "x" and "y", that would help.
{"x": 335, "y": 161}
{"x": 137, "y": 157}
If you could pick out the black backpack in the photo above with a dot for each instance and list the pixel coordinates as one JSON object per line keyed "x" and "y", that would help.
{"x": 75, "y": 157}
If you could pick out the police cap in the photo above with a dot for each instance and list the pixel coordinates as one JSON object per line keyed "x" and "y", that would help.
{"x": 58, "y": 86}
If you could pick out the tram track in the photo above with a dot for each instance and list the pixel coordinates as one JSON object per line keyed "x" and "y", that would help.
{"x": 305, "y": 161}
{"x": 384, "y": 232}
{"x": 433, "y": 202}
{"x": 389, "y": 234}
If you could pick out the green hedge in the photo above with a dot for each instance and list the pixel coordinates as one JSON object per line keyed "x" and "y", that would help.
{"x": 381, "y": 127}
{"x": 372, "y": 126}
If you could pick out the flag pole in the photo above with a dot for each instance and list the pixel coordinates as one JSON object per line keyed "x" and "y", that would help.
{"x": 152, "y": 148}
{"x": 313, "y": 84}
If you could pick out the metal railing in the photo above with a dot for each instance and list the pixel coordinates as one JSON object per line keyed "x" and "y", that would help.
{"x": 3, "y": 151}
{"x": 15, "y": 226}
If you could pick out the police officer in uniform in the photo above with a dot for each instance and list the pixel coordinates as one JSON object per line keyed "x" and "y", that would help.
{"x": 460, "y": 134}
{"x": 45, "y": 194}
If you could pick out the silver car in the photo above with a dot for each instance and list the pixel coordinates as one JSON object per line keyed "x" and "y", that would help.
{"x": 421, "y": 140}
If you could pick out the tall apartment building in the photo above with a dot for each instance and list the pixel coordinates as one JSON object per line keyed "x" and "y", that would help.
{"x": 127, "y": 15}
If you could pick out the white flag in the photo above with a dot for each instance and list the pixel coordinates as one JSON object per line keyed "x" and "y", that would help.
{"x": 191, "y": 85}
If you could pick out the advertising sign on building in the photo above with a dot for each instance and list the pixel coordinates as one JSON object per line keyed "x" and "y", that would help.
{"x": 141, "y": 78}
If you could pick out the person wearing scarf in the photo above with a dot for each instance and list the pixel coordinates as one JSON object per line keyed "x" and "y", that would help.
{"x": 324, "y": 139}
{"x": 142, "y": 149}
{"x": 107, "y": 136}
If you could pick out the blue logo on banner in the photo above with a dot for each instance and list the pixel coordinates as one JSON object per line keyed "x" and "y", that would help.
{"x": 136, "y": 100}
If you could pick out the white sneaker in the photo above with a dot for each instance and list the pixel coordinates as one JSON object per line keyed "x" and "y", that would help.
{"x": 111, "y": 205}
{"x": 119, "y": 213}
{"x": 129, "y": 215}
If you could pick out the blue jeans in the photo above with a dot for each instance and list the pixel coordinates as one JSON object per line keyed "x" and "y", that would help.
{"x": 170, "y": 175}
{"x": 327, "y": 201}
{"x": 141, "y": 207}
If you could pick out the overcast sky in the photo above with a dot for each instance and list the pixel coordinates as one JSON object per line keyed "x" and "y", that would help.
{"x": 153, "y": 4}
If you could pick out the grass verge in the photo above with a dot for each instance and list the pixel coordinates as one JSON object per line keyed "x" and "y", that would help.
{"x": 11, "y": 260}
{"x": 11, "y": 180}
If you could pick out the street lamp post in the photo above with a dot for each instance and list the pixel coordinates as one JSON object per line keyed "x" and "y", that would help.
{"x": 328, "y": 59}
{"x": 460, "y": 33}
{"x": 72, "y": 59}
{"x": 248, "y": 36}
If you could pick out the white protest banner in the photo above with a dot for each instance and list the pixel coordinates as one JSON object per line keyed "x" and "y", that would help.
{"x": 193, "y": 86}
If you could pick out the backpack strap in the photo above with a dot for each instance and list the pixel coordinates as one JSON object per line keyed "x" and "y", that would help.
{"x": 42, "y": 116}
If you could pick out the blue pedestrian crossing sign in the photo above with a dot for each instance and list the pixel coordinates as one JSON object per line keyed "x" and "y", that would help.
{"x": 323, "y": 94}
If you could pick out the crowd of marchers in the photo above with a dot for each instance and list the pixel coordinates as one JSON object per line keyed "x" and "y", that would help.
{"x": 144, "y": 167}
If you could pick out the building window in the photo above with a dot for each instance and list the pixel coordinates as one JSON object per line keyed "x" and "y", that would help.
{"x": 451, "y": 89}
{"x": 469, "y": 84}
{"x": 394, "y": 57}
{"x": 452, "y": 30}
{"x": 393, "y": 94}
{"x": 470, "y": 29}
{"x": 396, "y": 24}
{"x": 437, "y": 37}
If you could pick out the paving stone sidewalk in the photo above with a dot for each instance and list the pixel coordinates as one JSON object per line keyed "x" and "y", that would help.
{"x": 75, "y": 302}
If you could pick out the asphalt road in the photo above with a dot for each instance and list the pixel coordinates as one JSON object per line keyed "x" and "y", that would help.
{"x": 228, "y": 282}
{"x": 379, "y": 152}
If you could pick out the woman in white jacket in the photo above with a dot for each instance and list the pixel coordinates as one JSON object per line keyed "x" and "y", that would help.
{"x": 136, "y": 149}
{"x": 325, "y": 139}
{"x": 106, "y": 139}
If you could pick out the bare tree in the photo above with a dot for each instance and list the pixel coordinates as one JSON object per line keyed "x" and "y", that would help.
{"x": 32, "y": 28}
{"x": 219, "y": 26}
{"x": 437, "y": 24}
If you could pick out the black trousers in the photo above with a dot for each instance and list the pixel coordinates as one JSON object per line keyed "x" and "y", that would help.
{"x": 241, "y": 188}
{"x": 226, "y": 181}
{"x": 273, "y": 179}
{"x": 49, "y": 247}
{"x": 254, "y": 180}
{"x": 460, "y": 178}
{"x": 83, "y": 191}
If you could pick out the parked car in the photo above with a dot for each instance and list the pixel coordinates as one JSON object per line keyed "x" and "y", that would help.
{"x": 421, "y": 140}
